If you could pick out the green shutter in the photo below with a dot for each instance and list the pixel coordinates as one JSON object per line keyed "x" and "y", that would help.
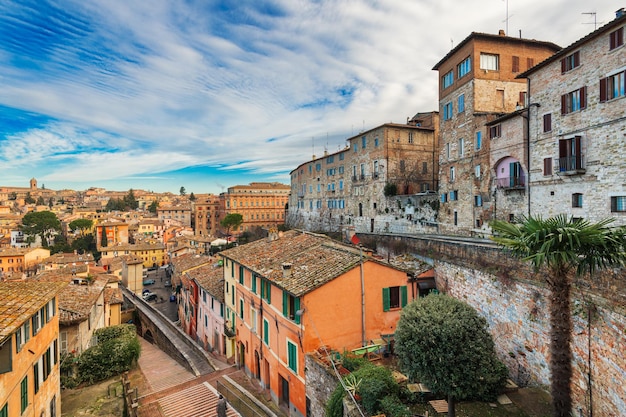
{"x": 262, "y": 288}
{"x": 266, "y": 331}
{"x": 285, "y": 303}
{"x": 254, "y": 283}
{"x": 293, "y": 357}
{"x": 268, "y": 292}
{"x": 232, "y": 269}
{"x": 241, "y": 275}
{"x": 296, "y": 307}
{"x": 403, "y": 296}
{"x": 24, "y": 394}
{"x": 386, "y": 300}
{"x": 5, "y": 411}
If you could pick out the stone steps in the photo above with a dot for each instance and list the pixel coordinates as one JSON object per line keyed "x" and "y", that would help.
{"x": 196, "y": 401}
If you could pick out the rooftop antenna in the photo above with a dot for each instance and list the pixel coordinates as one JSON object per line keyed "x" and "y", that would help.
{"x": 595, "y": 22}
{"x": 313, "y": 146}
{"x": 506, "y": 20}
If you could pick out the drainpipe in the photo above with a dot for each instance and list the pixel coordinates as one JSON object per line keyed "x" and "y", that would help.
{"x": 362, "y": 298}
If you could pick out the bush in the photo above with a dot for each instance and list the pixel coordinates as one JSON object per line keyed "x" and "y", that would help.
{"x": 371, "y": 392}
{"x": 393, "y": 407}
{"x": 334, "y": 406}
{"x": 352, "y": 362}
{"x": 117, "y": 350}
{"x": 390, "y": 190}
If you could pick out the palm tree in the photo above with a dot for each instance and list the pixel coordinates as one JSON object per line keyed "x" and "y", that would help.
{"x": 562, "y": 245}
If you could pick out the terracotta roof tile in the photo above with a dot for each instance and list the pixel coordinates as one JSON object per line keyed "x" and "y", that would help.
{"x": 21, "y": 299}
{"x": 211, "y": 279}
{"x": 189, "y": 261}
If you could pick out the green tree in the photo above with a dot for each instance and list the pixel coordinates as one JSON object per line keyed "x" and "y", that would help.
{"x": 130, "y": 202}
{"x": 40, "y": 201}
{"x": 444, "y": 343}
{"x": 104, "y": 242}
{"x": 29, "y": 198}
{"x": 51, "y": 202}
{"x": 231, "y": 221}
{"x": 153, "y": 206}
{"x": 13, "y": 196}
{"x": 81, "y": 225}
{"x": 562, "y": 245}
{"x": 115, "y": 204}
{"x": 182, "y": 191}
{"x": 42, "y": 223}
{"x": 192, "y": 196}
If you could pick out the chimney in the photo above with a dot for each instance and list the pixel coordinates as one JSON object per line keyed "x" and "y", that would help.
{"x": 287, "y": 269}
{"x": 501, "y": 32}
{"x": 619, "y": 13}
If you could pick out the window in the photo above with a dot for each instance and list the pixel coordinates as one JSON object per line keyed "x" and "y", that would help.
{"x": 479, "y": 140}
{"x": 330, "y": 159}
{"x": 266, "y": 331}
{"x": 616, "y": 38}
{"x": 410, "y": 137}
{"x": 266, "y": 290}
{"x": 461, "y": 103}
{"x": 291, "y": 305}
{"x": 547, "y": 122}
{"x": 574, "y": 101}
{"x": 253, "y": 283}
{"x": 570, "y": 62}
{"x": 618, "y": 203}
{"x": 451, "y": 174}
{"x": 495, "y": 131}
{"x": 318, "y": 167}
{"x": 478, "y": 200}
{"x": 612, "y": 86}
{"x": 363, "y": 142}
{"x": 53, "y": 407}
{"x": 515, "y": 64}
{"x": 447, "y": 150}
{"x": 376, "y": 142}
{"x": 477, "y": 171}
{"x": 523, "y": 98}
{"x": 454, "y": 195}
{"x": 570, "y": 154}
{"x": 37, "y": 322}
{"x": 547, "y": 166}
{"x": 447, "y": 111}
{"x": 530, "y": 62}
{"x": 394, "y": 297}
{"x": 24, "y": 394}
{"x": 4, "y": 412}
{"x": 253, "y": 320}
{"x": 489, "y": 62}
{"x": 464, "y": 67}
{"x": 241, "y": 308}
{"x": 241, "y": 275}
{"x": 577, "y": 200}
{"x": 424, "y": 167}
{"x": 461, "y": 147}
{"x": 447, "y": 79}
{"x": 292, "y": 356}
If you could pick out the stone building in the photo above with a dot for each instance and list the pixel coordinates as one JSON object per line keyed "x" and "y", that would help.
{"x": 348, "y": 187}
{"x": 262, "y": 204}
{"x": 577, "y": 128}
{"x": 205, "y": 215}
{"x": 478, "y": 83}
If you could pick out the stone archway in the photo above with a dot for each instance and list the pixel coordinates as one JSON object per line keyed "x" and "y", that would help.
{"x": 149, "y": 336}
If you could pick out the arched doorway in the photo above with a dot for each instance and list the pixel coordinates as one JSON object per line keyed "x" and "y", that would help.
{"x": 257, "y": 365}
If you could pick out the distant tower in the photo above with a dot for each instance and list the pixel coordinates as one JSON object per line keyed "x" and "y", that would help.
{"x": 33, "y": 184}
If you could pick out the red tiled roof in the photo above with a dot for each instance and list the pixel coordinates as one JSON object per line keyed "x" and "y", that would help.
{"x": 211, "y": 279}
{"x": 21, "y": 299}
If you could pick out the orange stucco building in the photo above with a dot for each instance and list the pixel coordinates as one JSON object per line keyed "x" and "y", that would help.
{"x": 29, "y": 349}
{"x": 294, "y": 292}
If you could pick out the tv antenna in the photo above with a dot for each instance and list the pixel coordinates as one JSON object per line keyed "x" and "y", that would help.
{"x": 595, "y": 22}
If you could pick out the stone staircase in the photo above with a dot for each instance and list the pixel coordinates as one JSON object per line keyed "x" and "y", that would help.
{"x": 196, "y": 401}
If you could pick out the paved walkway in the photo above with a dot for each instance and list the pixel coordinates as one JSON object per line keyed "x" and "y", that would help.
{"x": 169, "y": 390}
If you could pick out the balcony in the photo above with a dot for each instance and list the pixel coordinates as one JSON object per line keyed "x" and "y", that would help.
{"x": 229, "y": 331}
{"x": 511, "y": 183}
{"x": 571, "y": 165}
{"x": 300, "y": 194}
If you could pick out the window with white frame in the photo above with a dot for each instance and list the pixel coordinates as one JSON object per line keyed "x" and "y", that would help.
{"x": 489, "y": 62}
{"x": 461, "y": 147}
{"x": 451, "y": 174}
{"x": 477, "y": 171}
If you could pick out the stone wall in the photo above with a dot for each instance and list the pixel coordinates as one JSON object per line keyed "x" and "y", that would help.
{"x": 320, "y": 384}
{"x": 514, "y": 300}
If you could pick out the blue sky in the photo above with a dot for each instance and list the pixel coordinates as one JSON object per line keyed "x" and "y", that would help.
{"x": 206, "y": 94}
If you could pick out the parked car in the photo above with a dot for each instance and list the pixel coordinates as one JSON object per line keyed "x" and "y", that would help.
{"x": 145, "y": 291}
{"x": 173, "y": 298}
{"x": 167, "y": 283}
{"x": 148, "y": 282}
{"x": 149, "y": 296}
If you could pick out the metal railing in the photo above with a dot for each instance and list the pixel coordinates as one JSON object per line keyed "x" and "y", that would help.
{"x": 511, "y": 182}
{"x": 571, "y": 164}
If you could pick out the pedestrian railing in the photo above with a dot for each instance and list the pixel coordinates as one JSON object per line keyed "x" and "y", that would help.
{"x": 238, "y": 401}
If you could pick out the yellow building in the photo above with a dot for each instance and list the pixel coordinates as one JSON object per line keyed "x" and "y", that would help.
{"x": 30, "y": 383}
{"x": 22, "y": 260}
{"x": 152, "y": 255}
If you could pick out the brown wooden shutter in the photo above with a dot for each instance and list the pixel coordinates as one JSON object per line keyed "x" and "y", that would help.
{"x": 547, "y": 166}
{"x": 515, "y": 64}
{"x": 564, "y": 104}
{"x": 576, "y": 59}
{"x": 547, "y": 122}
{"x": 563, "y": 66}
{"x": 603, "y": 91}
{"x": 530, "y": 62}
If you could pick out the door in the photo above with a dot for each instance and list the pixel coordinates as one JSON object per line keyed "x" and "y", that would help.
{"x": 284, "y": 391}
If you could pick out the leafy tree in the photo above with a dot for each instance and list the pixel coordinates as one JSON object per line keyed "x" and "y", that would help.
{"x": 115, "y": 204}
{"x": 60, "y": 245}
{"x": 29, "y": 198}
{"x": 13, "y": 196}
{"x": 562, "y": 245}
{"x": 42, "y": 223}
{"x": 444, "y": 343}
{"x": 130, "y": 202}
{"x": 81, "y": 225}
{"x": 40, "y": 201}
{"x": 192, "y": 196}
{"x": 390, "y": 189}
{"x": 103, "y": 239}
{"x": 51, "y": 202}
{"x": 182, "y": 191}
{"x": 85, "y": 244}
{"x": 153, "y": 206}
{"x": 231, "y": 220}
